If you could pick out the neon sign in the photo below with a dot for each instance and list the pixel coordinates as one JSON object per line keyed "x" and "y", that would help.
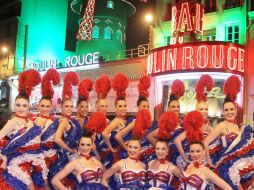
{"x": 197, "y": 56}
{"x": 186, "y": 17}
{"x": 71, "y": 61}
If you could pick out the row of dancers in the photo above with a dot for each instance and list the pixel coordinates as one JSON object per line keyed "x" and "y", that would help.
{"x": 43, "y": 152}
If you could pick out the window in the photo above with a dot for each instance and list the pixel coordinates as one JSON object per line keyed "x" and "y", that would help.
{"x": 166, "y": 40}
{"x": 96, "y": 21}
{"x": 210, "y": 6}
{"x": 108, "y": 21}
{"x": 232, "y": 4}
{"x": 110, "y": 4}
{"x": 95, "y": 32}
{"x": 209, "y": 34}
{"x": 119, "y": 36}
{"x": 232, "y": 33}
{"x": 108, "y": 33}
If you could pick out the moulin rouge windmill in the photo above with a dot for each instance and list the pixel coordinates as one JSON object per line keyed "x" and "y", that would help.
{"x": 86, "y": 25}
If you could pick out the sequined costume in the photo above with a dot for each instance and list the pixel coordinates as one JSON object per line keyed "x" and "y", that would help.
{"x": 132, "y": 179}
{"x": 160, "y": 179}
{"x": 25, "y": 161}
{"x": 237, "y": 157}
{"x": 90, "y": 179}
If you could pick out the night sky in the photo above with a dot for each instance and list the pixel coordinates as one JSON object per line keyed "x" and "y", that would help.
{"x": 137, "y": 28}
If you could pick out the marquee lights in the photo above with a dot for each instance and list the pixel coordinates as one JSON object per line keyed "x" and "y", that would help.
{"x": 197, "y": 56}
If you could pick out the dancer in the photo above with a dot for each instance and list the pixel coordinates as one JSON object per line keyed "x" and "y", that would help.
{"x": 160, "y": 171}
{"x": 87, "y": 169}
{"x": 197, "y": 175}
{"x": 102, "y": 87}
{"x": 124, "y": 135}
{"x": 236, "y": 156}
{"x": 177, "y": 91}
{"x": 131, "y": 170}
{"x": 205, "y": 83}
{"x": 84, "y": 87}
{"x": 22, "y": 152}
{"x": 68, "y": 131}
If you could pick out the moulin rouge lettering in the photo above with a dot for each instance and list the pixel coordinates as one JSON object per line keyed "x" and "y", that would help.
{"x": 199, "y": 56}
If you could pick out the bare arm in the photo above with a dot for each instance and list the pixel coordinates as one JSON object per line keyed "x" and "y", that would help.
{"x": 178, "y": 142}
{"x": 211, "y": 176}
{"x": 8, "y": 128}
{"x": 176, "y": 171}
{"x": 119, "y": 136}
{"x": 111, "y": 171}
{"x": 56, "y": 181}
{"x": 113, "y": 125}
{"x": 58, "y": 136}
{"x": 217, "y": 131}
{"x": 152, "y": 137}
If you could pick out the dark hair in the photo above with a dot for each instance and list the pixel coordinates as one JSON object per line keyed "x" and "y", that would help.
{"x": 162, "y": 140}
{"x": 141, "y": 99}
{"x": 172, "y": 97}
{"x": 81, "y": 99}
{"x": 119, "y": 99}
{"x": 228, "y": 100}
{"x": 134, "y": 138}
{"x": 86, "y": 134}
{"x": 22, "y": 95}
{"x": 197, "y": 142}
{"x": 46, "y": 98}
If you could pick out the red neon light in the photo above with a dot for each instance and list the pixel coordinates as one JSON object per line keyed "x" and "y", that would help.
{"x": 184, "y": 18}
{"x": 197, "y": 56}
{"x": 173, "y": 20}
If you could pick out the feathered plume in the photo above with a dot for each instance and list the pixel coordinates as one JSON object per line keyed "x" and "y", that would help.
{"x": 70, "y": 79}
{"x": 177, "y": 88}
{"x": 84, "y": 87}
{"x": 205, "y": 83}
{"x": 142, "y": 123}
{"x": 51, "y": 76}
{"x": 193, "y": 123}
{"x": 144, "y": 85}
{"x": 120, "y": 84}
{"x": 167, "y": 124}
{"x": 102, "y": 86}
{"x": 27, "y": 80}
{"x": 232, "y": 87}
{"x": 96, "y": 123}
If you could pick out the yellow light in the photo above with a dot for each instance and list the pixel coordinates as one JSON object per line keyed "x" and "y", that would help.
{"x": 148, "y": 18}
{"x": 4, "y": 49}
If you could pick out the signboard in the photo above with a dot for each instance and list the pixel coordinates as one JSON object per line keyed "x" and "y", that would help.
{"x": 197, "y": 56}
{"x": 70, "y": 61}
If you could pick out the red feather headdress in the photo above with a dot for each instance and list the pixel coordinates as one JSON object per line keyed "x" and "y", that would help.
{"x": 142, "y": 124}
{"x": 205, "y": 83}
{"x": 51, "y": 76}
{"x": 167, "y": 124}
{"x": 96, "y": 123}
{"x": 102, "y": 86}
{"x": 144, "y": 85}
{"x": 193, "y": 123}
{"x": 70, "y": 79}
{"x": 27, "y": 80}
{"x": 120, "y": 84}
{"x": 177, "y": 89}
{"x": 232, "y": 87}
{"x": 84, "y": 87}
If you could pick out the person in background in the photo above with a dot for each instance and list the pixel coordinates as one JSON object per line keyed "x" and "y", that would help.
{"x": 68, "y": 131}
{"x": 102, "y": 87}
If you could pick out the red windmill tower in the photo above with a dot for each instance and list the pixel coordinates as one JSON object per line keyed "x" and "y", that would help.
{"x": 86, "y": 25}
